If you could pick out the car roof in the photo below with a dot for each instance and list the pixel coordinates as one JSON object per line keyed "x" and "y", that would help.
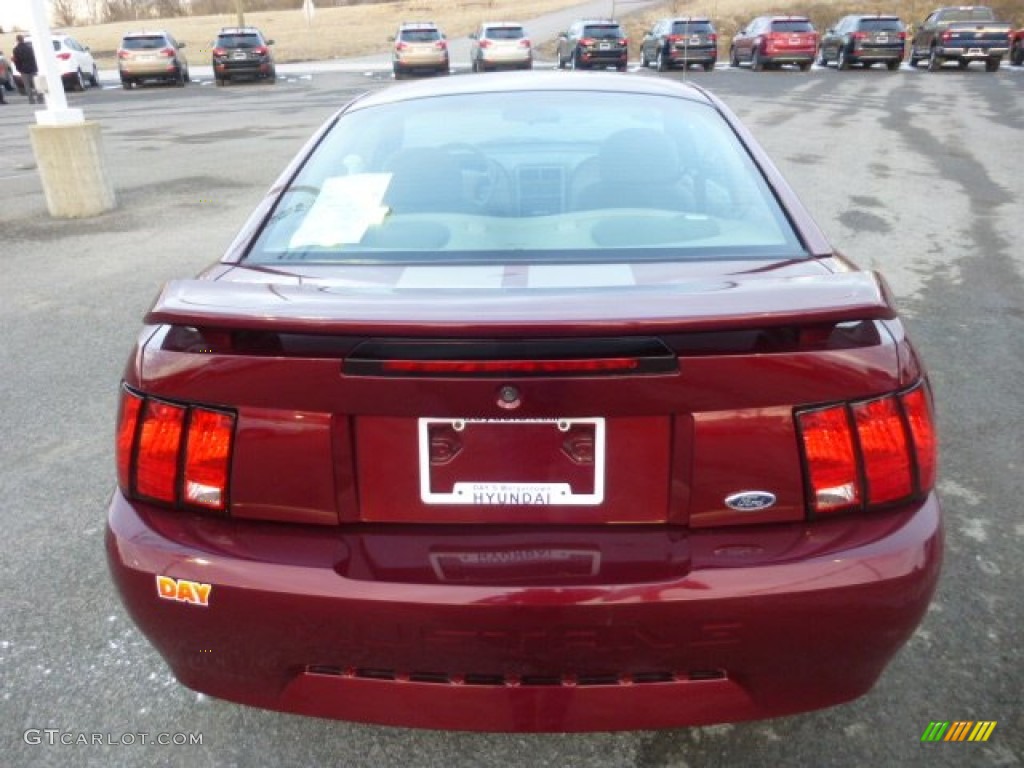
{"x": 537, "y": 81}
{"x": 886, "y": 16}
{"x": 700, "y": 19}
{"x": 417, "y": 25}
{"x": 501, "y": 24}
{"x": 149, "y": 33}
{"x": 239, "y": 31}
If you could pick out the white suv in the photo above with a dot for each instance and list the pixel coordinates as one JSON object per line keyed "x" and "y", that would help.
{"x": 74, "y": 61}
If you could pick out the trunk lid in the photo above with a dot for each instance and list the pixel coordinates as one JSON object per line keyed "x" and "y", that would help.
{"x": 650, "y": 400}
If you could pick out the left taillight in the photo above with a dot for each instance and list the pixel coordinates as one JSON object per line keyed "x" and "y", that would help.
{"x": 177, "y": 454}
{"x": 868, "y": 454}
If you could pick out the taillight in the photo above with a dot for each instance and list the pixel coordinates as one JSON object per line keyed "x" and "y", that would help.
{"x": 510, "y": 367}
{"x": 860, "y": 35}
{"x": 674, "y": 38}
{"x": 207, "y": 450}
{"x": 220, "y": 52}
{"x": 713, "y": 38}
{"x": 623, "y": 41}
{"x": 524, "y": 43}
{"x": 175, "y": 453}
{"x": 947, "y": 36}
{"x": 400, "y": 46}
{"x": 888, "y": 468}
{"x": 127, "y": 421}
{"x": 441, "y": 45}
{"x": 831, "y": 460}
{"x": 903, "y": 37}
{"x": 63, "y": 56}
{"x": 260, "y": 50}
{"x": 868, "y": 453}
{"x": 586, "y": 42}
{"x": 122, "y": 54}
{"x": 485, "y": 43}
{"x": 158, "y": 450}
{"x": 918, "y": 408}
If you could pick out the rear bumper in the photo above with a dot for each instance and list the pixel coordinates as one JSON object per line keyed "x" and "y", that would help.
{"x": 789, "y": 57}
{"x": 971, "y": 52}
{"x": 758, "y": 622}
{"x": 693, "y": 55}
{"x": 231, "y": 68}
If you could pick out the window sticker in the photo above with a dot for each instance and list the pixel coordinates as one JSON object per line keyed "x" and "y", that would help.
{"x": 345, "y": 208}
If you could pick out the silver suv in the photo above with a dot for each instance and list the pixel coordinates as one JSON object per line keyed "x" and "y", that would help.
{"x": 419, "y": 46}
{"x": 151, "y": 56}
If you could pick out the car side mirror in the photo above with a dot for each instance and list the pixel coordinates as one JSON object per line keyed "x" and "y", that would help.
{"x": 270, "y": 42}
{"x": 830, "y": 31}
{"x": 181, "y": 45}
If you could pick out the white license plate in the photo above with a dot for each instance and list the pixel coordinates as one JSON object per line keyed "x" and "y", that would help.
{"x": 605, "y": 46}
{"x": 975, "y": 52}
{"x": 513, "y": 491}
{"x": 240, "y": 55}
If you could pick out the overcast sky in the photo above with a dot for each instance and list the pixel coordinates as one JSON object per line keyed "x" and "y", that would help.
{"x": 17, "y": 12}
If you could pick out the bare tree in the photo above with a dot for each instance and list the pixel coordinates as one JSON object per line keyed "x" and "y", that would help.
{"x": 65, "y": 12}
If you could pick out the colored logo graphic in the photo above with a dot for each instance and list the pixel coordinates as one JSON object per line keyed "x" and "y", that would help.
{"x": 960, "y": 730}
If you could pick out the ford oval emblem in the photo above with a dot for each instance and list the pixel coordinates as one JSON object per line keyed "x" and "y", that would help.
{"x": 750, "y": 501}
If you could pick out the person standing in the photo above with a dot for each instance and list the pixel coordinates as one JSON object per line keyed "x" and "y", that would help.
{"x": 24, "y": 59}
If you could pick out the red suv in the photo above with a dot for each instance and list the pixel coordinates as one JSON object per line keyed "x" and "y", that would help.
{"x": 771, "y": 40}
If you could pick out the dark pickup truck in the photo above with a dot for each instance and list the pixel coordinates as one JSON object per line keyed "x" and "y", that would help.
{"x": 962, "y": 34}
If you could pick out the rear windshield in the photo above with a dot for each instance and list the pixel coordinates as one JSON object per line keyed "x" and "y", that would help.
{"x": 420, "y": 35}
{"x": 602, "y": 32}
{"x": 691, "y": 27}
{"x": 544, "y": 177}
{"x": 143, "y": 43}
{"x": 504, "y": 33}
{"x": 239, "y": 41}
{"x": 791, "y": 25}
{"x": 967, "y": 14}
{"x": 881, "y": 25}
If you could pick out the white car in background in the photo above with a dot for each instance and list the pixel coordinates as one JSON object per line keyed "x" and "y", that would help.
{"x": 74, "y": 61}
{"x": 499, "y": 45}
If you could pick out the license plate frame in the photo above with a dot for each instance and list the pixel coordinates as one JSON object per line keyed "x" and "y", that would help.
{"x": 470, "y": 492}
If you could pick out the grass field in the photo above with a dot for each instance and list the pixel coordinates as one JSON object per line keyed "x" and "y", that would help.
{"x": 339, "y": 32}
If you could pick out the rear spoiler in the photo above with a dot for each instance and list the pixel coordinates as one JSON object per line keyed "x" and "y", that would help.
{"x": 698, "y": 305}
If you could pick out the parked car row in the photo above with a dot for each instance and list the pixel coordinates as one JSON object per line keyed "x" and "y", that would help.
{"x": 960, "y": 34}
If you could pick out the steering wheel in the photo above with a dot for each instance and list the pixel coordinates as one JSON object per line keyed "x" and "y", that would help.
{"x": 485, "y": 180}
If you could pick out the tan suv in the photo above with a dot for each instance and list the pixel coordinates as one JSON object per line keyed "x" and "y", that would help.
{"x": 419, "y": 46}
{"x": 151, "y": 56}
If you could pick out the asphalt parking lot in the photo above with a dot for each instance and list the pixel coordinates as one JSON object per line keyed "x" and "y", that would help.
{"x": 914, "y": 173}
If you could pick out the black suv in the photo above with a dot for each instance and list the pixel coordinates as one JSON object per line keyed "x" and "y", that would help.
{"x": 243, "y": 52}
{"x": 680, "y": 42}
{"x": 593, "y": 43}
{"x": 864, "y": 40}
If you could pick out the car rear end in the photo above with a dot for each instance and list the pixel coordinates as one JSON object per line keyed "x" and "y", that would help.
{"x": 521, "y": 491}
{"x": 242, "y": 55}
{"x": 790, "y": 41}
{"x": 603, "y": 45}
{"x": 505, "y": 46}
{"x": 692, "y": 41}
{"x": 420, "y": 48}
{"x": 147, "y": 57}
{"x": 967, "y": 41}
{"x": 878, "y": 39}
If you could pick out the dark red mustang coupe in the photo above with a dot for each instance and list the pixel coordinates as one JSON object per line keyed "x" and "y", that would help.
{"x": 528, "y": 402}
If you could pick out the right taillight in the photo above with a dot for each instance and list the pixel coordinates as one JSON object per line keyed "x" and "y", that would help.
{"x": 174, "y": 453}
{"x": 869, "y": 453}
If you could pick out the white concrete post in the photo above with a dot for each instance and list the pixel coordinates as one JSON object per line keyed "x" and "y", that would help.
{"x": 68, "y": 149}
